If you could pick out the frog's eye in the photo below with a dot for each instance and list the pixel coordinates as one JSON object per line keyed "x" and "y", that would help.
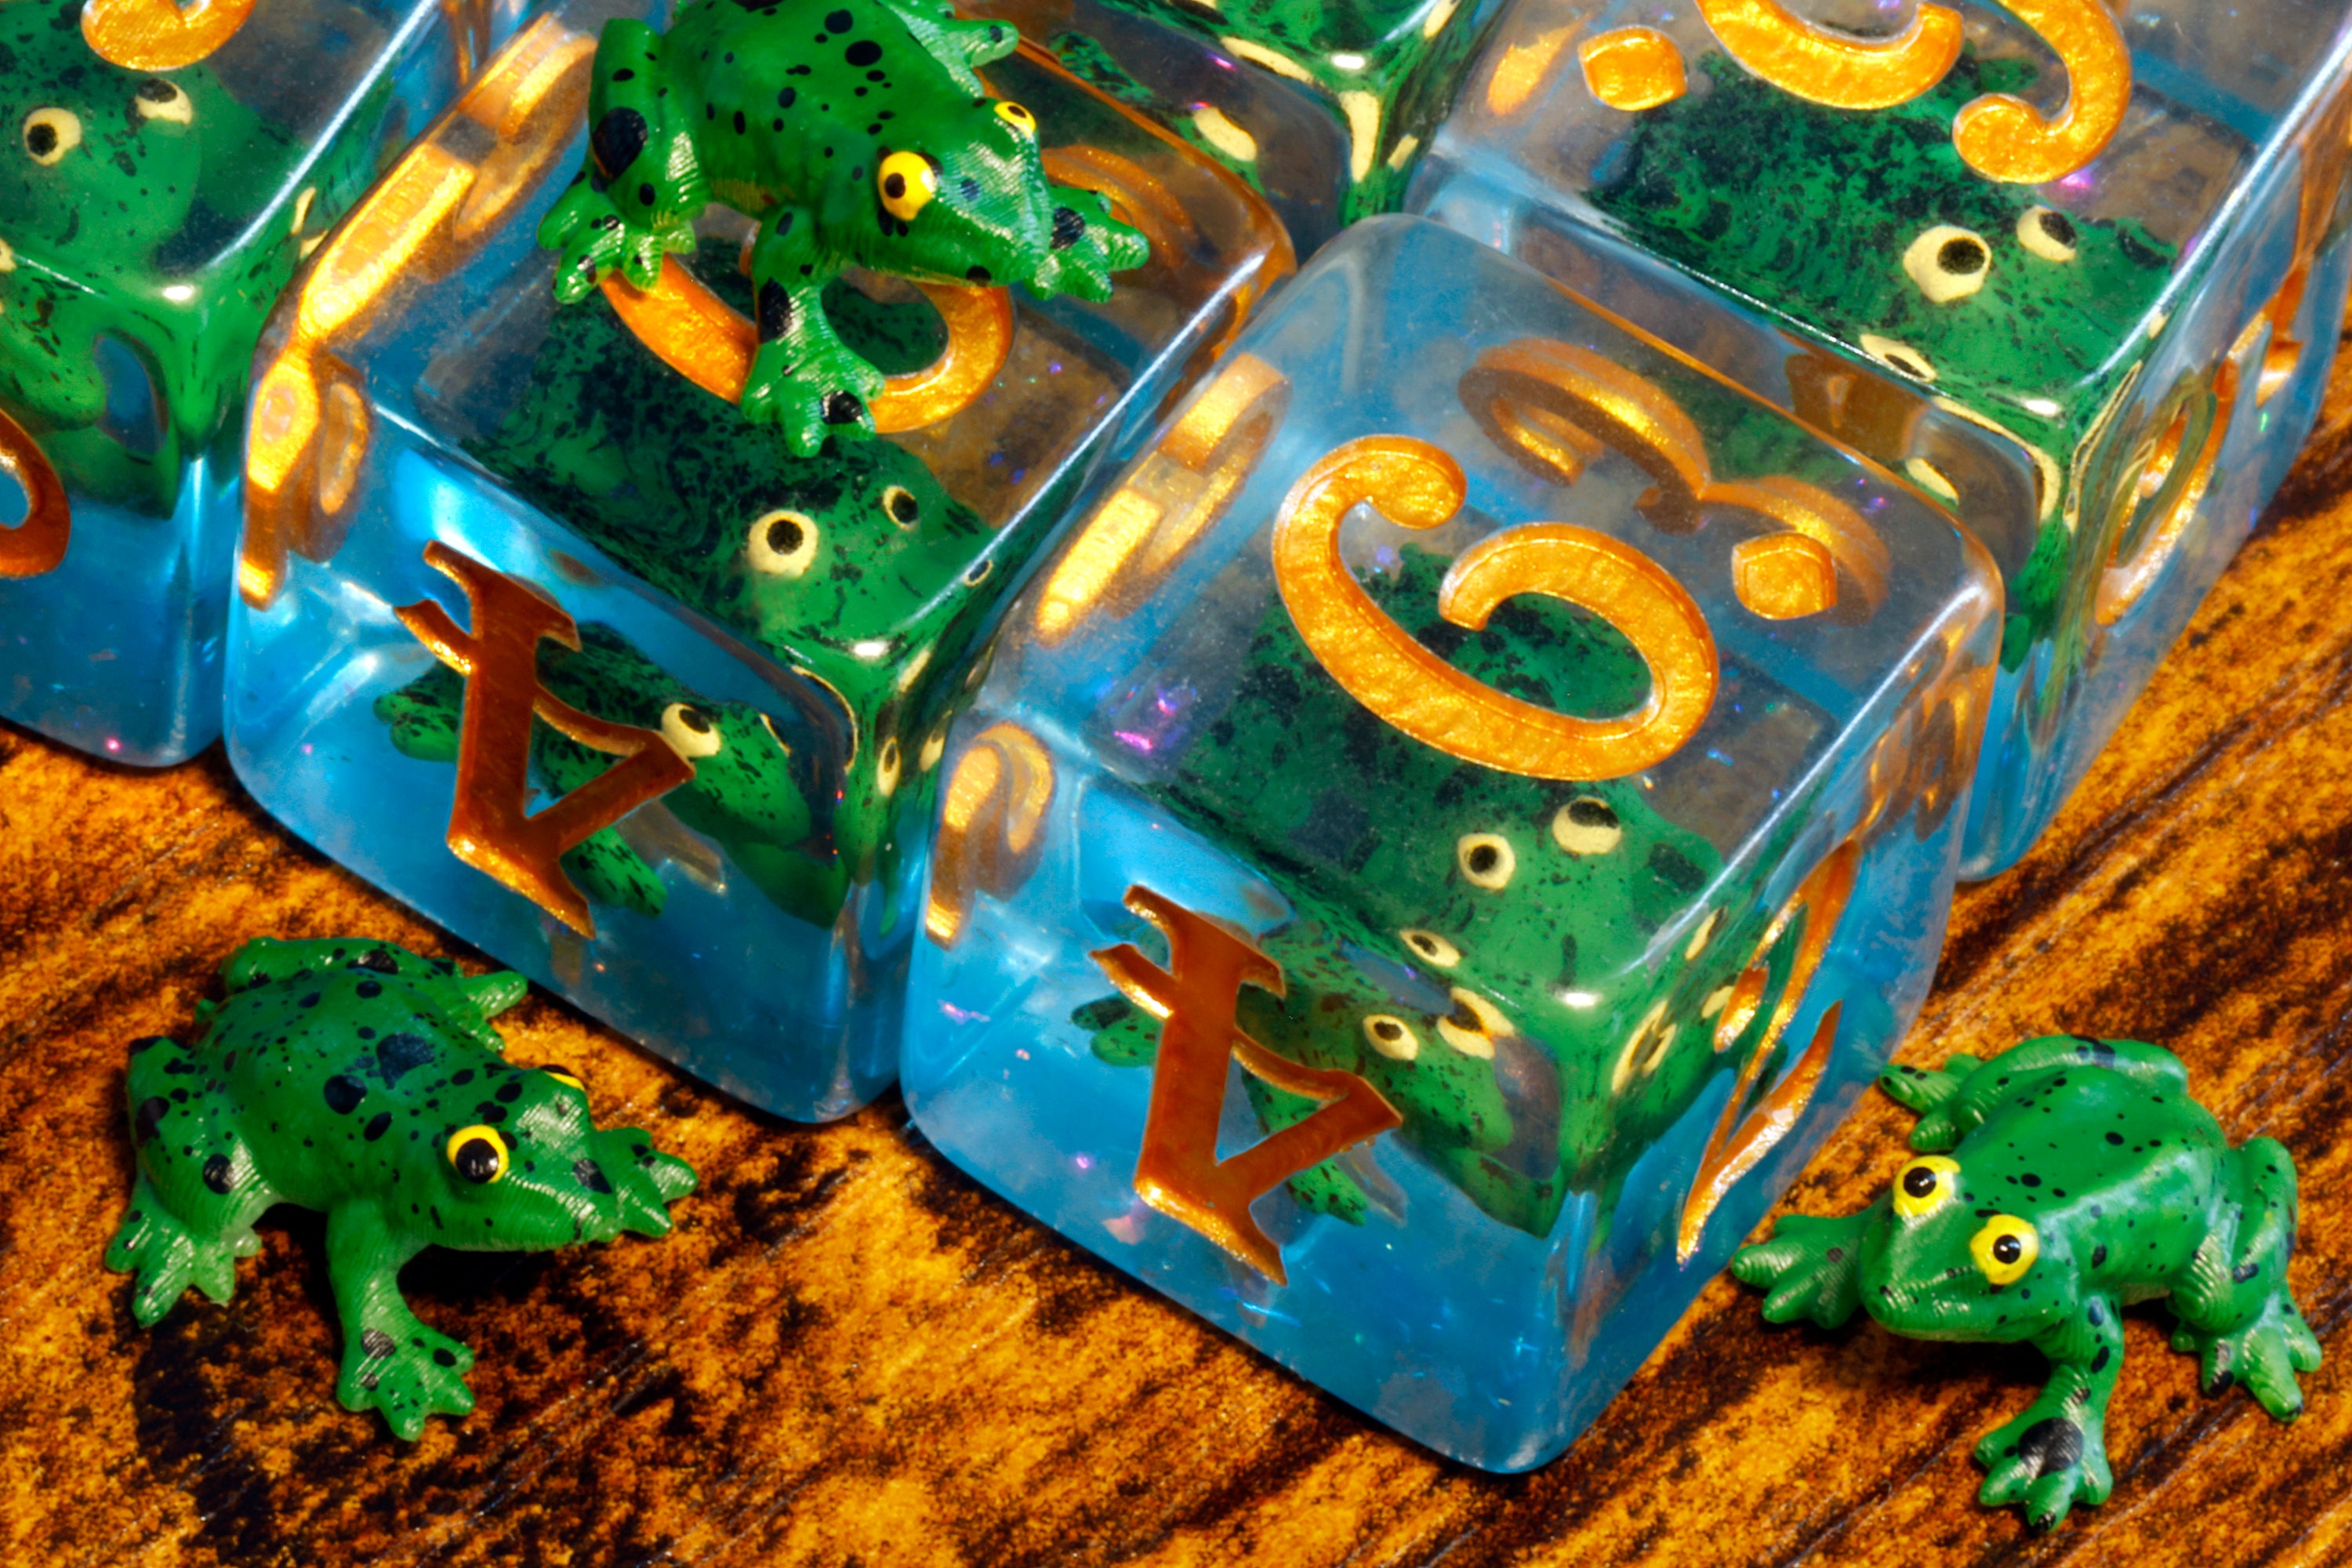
{"x": 2005, "y": 1248}
{"x": 478, "y": 1154}
{"x": 1899, "y": 357}
{"x": 1947, "y": 262}
{"x": 907, "y": 183}
{"x": 2046, "y": 232}
{"x": 566, "y": 1076}
{"x": 1925, "y": 1184}
{"x": 1393, "y": 1038}
{"x": 783, "y": 544}
{"x": 1487, "y": 860}
{"x": 51, "y": 133}
{"x": 1430, "y": 946}
{"x": 159, "y": 100}
{"x": 900, "y": 503}
{"x": 689, "y": 731}
{"x": 1474, "y": 1025}
{"x": 1018, "y": 118}
{"x": 886, "y": 766}
{"x": 1588, "y": 825}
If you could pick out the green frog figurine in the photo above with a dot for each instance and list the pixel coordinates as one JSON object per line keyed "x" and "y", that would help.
{"x": 2057, "y": 1183}
{"x": 856, "y": 132}
{"x": 356, "y": 1077}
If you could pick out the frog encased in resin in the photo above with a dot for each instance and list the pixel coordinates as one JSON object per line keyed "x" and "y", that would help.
{"x": 2060, "y": 1181}
{"x": 856, "y": 132}
{"x": 357, "y": 1078}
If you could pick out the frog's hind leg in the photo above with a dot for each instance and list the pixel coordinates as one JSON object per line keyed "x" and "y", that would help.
{"x": 961, "y": 47}
{"x": 643, "y": 187}
{"x": 1955, "y": 1113}
{"x": 168, "y": 1256}
{"x": 803, "y": 378}
{"x": 192, "y": 1209}
{"x": 392, "y": 1361}
{"x": 2237, "y": 1314}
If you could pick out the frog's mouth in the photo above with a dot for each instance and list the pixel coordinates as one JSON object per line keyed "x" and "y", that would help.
{"x": 1919, "y": 1310}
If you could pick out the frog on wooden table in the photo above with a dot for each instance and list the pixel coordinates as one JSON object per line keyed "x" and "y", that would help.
{"x": 2060, "y": 1181}
{"x": 855, "y": 132}
{"x": 356, "y": 1077}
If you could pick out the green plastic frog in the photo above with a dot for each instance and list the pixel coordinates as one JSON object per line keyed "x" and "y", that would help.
{"x": 1866, "y": 228}
{"x": 750, "y": 793}
{"x": 2060, "y": 1181}
{"x": 1475, "y": 944}
{"x": 357, "y": 1078}
{"x": 855, "y": 132}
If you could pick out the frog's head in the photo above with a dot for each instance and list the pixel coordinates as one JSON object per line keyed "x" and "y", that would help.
{"x": 961, "y": 195}
{"x": 533, "y": 1170}
{"x": 746, "y": 788}
{"x": 1943, "y": 1261}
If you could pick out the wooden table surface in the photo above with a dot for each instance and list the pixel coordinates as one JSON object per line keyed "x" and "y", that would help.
{"x": 848, "y": 1353}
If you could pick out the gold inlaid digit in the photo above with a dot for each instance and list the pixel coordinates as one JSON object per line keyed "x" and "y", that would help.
{"x": 2004, "y": 136}
{"x": 991, "y": 821}
{"x": 1379, "y": 663}
{"x": 1827, "y": 66}
{"x": 2169, "y": 476}
{"x": 37, "y": 543}
{"x": 1632, "y": 69}
{"x": 159, "y": 35}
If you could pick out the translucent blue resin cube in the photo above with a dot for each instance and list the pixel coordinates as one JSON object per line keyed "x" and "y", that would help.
{"x": 165, "y": 173}
{"x": 1545, "y": 762}
{"x": 540, "y": 634}
{"x": 2099, "y": 338}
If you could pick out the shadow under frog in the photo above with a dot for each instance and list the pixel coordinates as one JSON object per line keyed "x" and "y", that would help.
{"x": 117, "y": 188}
{"x": 854, "y": 568}
{"x": 1866, "y": 227}
{"x": 1475, "y": 944}
{"x": 750, "y": 793}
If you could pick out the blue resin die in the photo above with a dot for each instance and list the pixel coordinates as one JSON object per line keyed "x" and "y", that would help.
{"x": 1490, "y": 780}
{"x": 162, "y": 174}
{"x": 540, "y": 633}
{"x": 2098, "y": 335}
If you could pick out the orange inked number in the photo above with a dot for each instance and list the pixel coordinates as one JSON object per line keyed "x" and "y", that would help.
{"x": 1179, "y": 1173}
{"x": 2165, "y": 484}
{"x": 1824, "y": 66}
{"x": 490, "y": 828}
{"x": 992, "y": 822}
{"x": 2004, "y": 136}
{"x": 37, "y": 543}
{"x": 1739, "y": 1146}
{"x": 1632, "y": 69}
{"x": 158, "y": 35}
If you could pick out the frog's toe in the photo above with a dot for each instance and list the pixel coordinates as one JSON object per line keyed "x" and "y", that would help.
{"x": 2265, "y": 1355}
{"x": 1807, "y": 1268}
{"x": 645, "y": 1180}
{"x": 167, "y": 1259}
{"x": 2046, "y": 1464}
{"x": 407, "y": 1383}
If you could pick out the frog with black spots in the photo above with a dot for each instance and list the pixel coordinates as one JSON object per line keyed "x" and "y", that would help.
{"x": 2057, "y": 1183}
{"x": 855, "y": 133}
{"x": 362, "y": 1080}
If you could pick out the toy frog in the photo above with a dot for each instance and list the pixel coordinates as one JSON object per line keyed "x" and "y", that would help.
{"x": 855, "y": 132}
{"x": 356, "y": 1077}
{"x": 2058, "y": 1183}
{"x": 750, "y": 793}
{"x": 1462, "y": 936}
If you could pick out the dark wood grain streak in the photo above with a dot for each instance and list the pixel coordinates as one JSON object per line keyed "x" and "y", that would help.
{"x": 849, "y": 1353}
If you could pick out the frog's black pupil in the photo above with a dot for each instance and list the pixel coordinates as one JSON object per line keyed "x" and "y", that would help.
{"x": 693, "y": 720}
{"x": 40, "y": 138}
{"x": 2058, "y": 225}
{"x": 154, "y": 89}
{"x": 2008, "y": 1249}
{"x": 1919, "y": 1182}
{"x": 1463, "y": 1017}
{"x": 1907, "y": 365}
{"x": 1388, "y": 1028}
{"x": 1482, "y": 859}
{"x": 478, "y": 1160}
{"x": 902, "y": 506}
{"x": 1591, "y": 813}
{"x": 1422, "y": 944}
{"x": 783, "y": 536}
{"x": 1961, "y": 255}
{"x": 893, "y": 186}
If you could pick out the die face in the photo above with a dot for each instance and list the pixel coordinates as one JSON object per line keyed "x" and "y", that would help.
{"x": 164, "y": 176}
{"x": 742, "y": 750}
{"x": 1569, "y": 832}
{"x": 2133, "y": 313}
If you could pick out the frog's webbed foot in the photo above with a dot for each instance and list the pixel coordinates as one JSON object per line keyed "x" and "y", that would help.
{"x": 1809, "y": 1268}
{"x": 2263, "y": 1353}
{"x": 595, "y": 239}
{"x": 168, "y": 1257}
{"x": 1924, "y": 1092}
{"x": 409, "y": 1376}
{"x": 642, "y": 188}
{"x": 2047, "y": 1460}
{"x": 645, "y": 1179}
{"x": 1087, "y": 246}
{"x": 811, "y": 390}
{"x": 610, "y": 873}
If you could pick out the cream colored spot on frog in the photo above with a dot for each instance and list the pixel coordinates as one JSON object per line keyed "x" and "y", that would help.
{"x": 1629, "y": 1059}
{"x": 1429, "y": 946}
{"x": 1392, "y": 1036}
{"x": 1222, "y": 133}
{"x": 1474, "y": 1025}
{"x": 1363, "y": 111}
{"x": 1273, "y": 60}
{"x": 1705, "y": 934}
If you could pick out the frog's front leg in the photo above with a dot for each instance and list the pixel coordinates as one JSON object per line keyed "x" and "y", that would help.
{"x": 392, "y": 1361}
{"x": 803, "y": 378}
{"x": 2054, "y": 1455}
{"x": 2235, "y": 1313}
{"x": 1809, "y": 1266}
{"x": 1086, "y": 246}
{"x": 642, "y": 189}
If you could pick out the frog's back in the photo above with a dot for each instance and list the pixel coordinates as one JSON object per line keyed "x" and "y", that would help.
{"x": 2064, "y": 1134}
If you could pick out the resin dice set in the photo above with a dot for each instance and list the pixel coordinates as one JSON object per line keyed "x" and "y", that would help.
{"x": 1396, "y": 804}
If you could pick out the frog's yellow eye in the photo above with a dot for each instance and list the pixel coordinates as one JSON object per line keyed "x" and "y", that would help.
{"x": 1899, "y": 357}
{"x": 1393, "y": 1038}
{"x": 900, "y": 503}
{"x": 478, "y": 1154}
{"x": 2046, "y": 232}
{"x": 1587, "y": 826}
{"x": 689, "y": 731}
{"x": 2005, "y": 1248}
{"x": 1474, "y": 1025}
{"x": 1947, "y": 262}
{"x": 159, "y": 100}
{"x": 1486, "y": 859}
{"x": 51, "y": 133}
{"x": 1925, "y": 1186}
{"x": 907, "y": 183}
{"x": 566, "y": 1076}
{"x": 1018, "y": 118}
{"x": 782, "y": 542}
{"x": 1430, "y": 947}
